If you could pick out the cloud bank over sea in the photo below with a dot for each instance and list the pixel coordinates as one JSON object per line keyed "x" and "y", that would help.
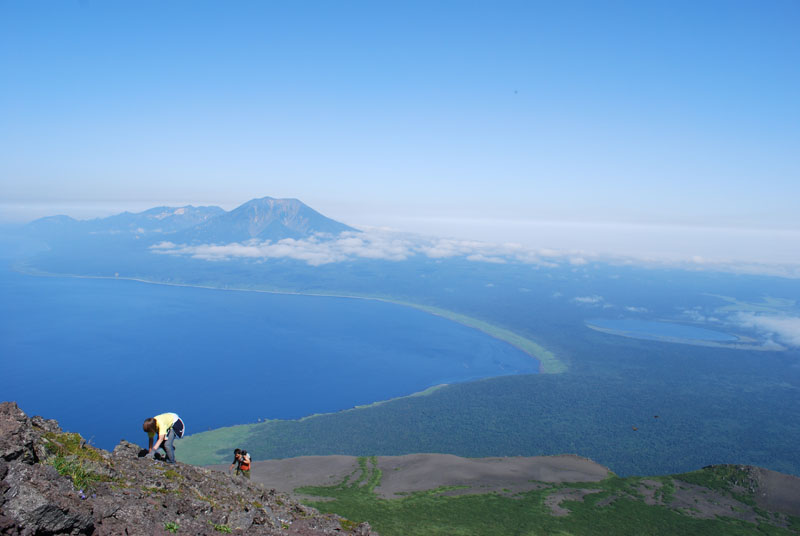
{"x": 784, "y": 328}
{"x": 390, "y": 245}
{"x": 371, "y": 244}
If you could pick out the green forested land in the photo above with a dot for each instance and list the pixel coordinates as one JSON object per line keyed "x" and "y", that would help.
{"x": 617, "y": 509}
{"x": 543, "y": 415}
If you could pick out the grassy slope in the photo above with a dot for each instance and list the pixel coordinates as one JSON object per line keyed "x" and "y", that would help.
{"x": 432, "y": 512}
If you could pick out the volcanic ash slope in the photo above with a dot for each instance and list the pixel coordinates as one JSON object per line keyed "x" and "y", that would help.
{"x": 51, "y": 482}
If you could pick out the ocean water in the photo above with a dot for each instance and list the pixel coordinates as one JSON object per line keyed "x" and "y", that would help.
{"x": 102, "y": 355}
{"x": 655, "y": 330}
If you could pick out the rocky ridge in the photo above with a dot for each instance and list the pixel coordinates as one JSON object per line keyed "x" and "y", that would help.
{"x": 53, "y": 483}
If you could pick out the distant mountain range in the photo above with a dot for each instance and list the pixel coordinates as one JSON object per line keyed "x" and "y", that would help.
{"x": 263, "y": 219}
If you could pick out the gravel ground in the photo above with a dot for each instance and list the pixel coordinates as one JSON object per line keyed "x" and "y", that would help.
{"x": 417, "y": 472}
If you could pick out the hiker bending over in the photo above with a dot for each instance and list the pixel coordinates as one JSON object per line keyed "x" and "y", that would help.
{"x": 241, "y": 459}
{"x": 165, "y": 428}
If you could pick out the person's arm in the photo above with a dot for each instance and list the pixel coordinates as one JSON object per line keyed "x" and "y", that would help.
{"x": 158, "y": 442}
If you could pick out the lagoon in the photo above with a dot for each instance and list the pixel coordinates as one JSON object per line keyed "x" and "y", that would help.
{"x": 101, "y": 355}
{"x": 659, "y": 331}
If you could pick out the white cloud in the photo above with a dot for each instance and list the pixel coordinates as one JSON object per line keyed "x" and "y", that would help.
{"x": 371, "y": 244}
{"x": 381, "y": 243}
{"x": 164, "y": 245}
{"x": 633, "y": 309}
{"x": 694, "y": 315}
{"x": 590, "y": 300}
{"x": 784, "y": 328}
{"x": 483, "y": 258}
{"x": 314, "y": 250}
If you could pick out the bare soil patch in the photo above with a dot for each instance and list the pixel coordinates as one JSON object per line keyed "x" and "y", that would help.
{"x": 704, "y": 503}
{"x": 288, "y": 474}
{"x": 649, "y": 489}
{"x": 554, "y": 500}
{"x": 420, "y": 472}
{"x": 777, "y": 491}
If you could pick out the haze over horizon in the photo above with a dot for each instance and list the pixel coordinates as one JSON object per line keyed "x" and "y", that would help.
{"x": 664, "y": 129}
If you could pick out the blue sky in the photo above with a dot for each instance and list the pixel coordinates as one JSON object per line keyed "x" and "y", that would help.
{"x": 414, "y": 115}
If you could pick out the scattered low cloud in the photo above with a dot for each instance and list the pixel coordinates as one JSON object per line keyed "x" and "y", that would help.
{"x": 381, "y": 243}
{"x": 632, "y": 309}
{"x": 694, "y": 315}
{"x": 478, "y": 257}
{"x": 164, "y": 246}
{"x": 782, "y": 327}
{"x": 589, "y": 300}
{"x": 371, "y": 244}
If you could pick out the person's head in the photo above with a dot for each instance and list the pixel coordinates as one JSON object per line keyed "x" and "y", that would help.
{"x": 150, "y": 426}
{"x": 237, "y": 452}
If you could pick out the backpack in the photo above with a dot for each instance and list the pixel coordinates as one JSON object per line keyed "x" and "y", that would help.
{"x": 178, "y": 428}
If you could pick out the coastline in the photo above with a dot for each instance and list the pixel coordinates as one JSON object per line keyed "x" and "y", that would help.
{"x": 692, "y": 342}
{"x": 548, "y": 362}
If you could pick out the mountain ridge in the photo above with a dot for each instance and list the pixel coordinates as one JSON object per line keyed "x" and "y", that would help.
{"x": 263, "y": 218}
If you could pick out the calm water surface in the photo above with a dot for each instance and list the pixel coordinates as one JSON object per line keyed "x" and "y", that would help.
{"x": 654, "y": 330}
{"x": 102, "y": 355}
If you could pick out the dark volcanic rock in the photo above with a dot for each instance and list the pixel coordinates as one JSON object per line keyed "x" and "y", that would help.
{"x": 17, "y": 434}
{"x": 125, "y": 494}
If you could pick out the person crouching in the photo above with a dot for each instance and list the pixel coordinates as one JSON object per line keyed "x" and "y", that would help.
{"x": 165, "y": 428}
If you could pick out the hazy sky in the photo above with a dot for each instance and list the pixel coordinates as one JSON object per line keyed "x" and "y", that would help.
{"x": 500, "y": 114}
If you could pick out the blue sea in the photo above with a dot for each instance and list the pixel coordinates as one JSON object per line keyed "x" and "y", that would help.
{"x": 101, "y": 355}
